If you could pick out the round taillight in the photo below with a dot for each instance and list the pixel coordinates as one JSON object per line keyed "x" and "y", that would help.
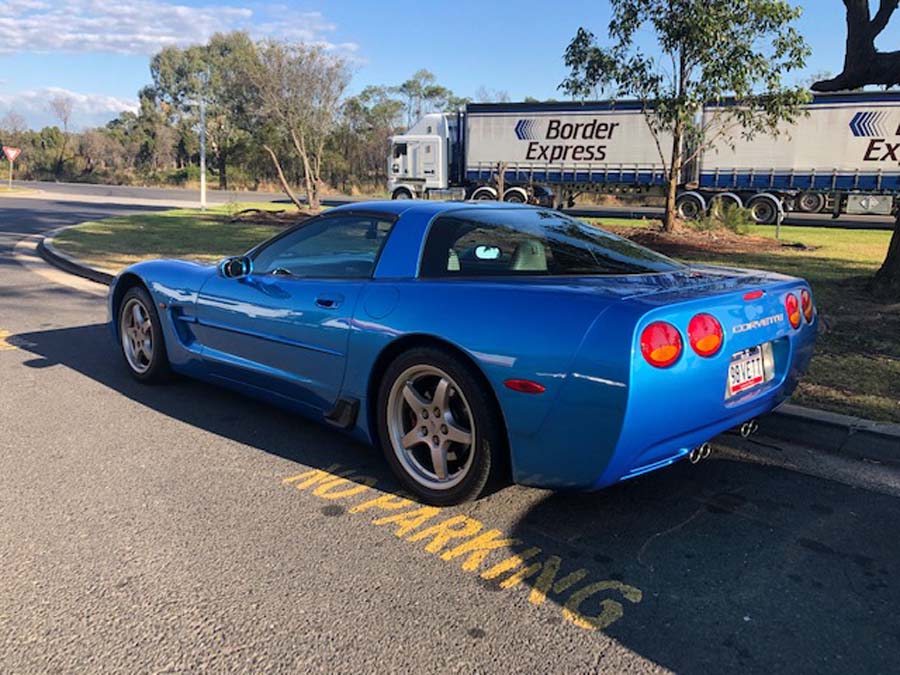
{"x": 661, "y": 344}
{"x": 705, "y": 334}
{"x": 806, "y": 305}
{"x": 793, "y": 309}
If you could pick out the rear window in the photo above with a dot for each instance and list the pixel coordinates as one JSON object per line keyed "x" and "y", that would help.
{"x": 514, "y": 242}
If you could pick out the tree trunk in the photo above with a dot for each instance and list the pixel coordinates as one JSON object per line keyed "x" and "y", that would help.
{"x": 312, "y": 193}
{"x": 282, "y": 179}
{"x": 223, "y": 169}
{"x": 863, "y": 64}
{"x": 886, "y": 284}
{"x": 671, "y": 215}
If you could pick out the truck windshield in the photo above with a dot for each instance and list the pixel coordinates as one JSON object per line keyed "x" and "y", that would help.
{"x": 513, "y": 242}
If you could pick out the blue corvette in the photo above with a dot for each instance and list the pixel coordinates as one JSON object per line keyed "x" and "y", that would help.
{"x": 468, "y": 340}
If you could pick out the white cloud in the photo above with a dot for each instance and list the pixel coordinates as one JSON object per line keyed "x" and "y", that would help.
{"x": 88, "y": 110}
{"x": 145, "y": 26}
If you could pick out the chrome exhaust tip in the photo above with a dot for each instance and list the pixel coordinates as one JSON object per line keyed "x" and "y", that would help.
{"x": 700, "y": 453}
{"x": 749, "y": 428}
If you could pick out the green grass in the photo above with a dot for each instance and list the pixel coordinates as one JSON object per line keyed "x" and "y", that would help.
{"x": 856, "y": 369}
{"x": 208, "y": 236}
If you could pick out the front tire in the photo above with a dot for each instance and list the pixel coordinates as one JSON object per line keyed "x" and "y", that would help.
{"x": 438, "y": 427}
{"x": 141, "y": 337}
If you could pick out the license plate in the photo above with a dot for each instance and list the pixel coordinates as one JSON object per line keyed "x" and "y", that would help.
{"x": 746, "y": 371}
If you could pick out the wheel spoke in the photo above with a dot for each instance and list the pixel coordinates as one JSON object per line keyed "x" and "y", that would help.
{"x": 410, "y": 439}
{"x": 439, "y": 460}
{"x": 136, "y": 316}
{"x": 414, "y": 399}
{"x": 442, "y": 395}
{"x": 457, "y": 434}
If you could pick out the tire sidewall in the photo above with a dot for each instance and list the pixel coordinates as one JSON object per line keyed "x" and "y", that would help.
{"x": 159, "y": 364}
{"x": 488, "y": 433}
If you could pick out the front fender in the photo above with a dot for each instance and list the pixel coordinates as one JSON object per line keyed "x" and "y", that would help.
{"x": 174, "y": 286}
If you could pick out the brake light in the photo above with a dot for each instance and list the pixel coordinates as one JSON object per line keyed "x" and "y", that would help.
{"x": 806, "y": 304}
{"x": 753, "y": 295}
{"x": 661, "y": 344}
{"x": 705, "y": 334}
{"x": 793, "y": 310}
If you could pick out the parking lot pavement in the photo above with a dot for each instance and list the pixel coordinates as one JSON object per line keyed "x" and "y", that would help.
{"x": 182, "y": 527}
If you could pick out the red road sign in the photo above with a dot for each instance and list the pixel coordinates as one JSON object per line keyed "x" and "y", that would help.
{"x": 11, "y": 153}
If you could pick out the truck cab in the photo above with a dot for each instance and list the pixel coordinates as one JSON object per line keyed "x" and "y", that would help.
{"x": 421, "y": 160}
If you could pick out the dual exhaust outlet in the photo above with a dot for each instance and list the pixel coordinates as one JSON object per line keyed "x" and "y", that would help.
{"x": 703, "y": 451}
{"x": 699, "y": 453}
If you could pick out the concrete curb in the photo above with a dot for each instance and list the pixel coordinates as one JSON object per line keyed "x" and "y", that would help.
{"x": 843, "y": 435}
{"x": 69, "y": 264}
{"x": 838, "y": 434}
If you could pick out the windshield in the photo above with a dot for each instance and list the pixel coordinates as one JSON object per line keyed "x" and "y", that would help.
{"x": 512, "y": 242}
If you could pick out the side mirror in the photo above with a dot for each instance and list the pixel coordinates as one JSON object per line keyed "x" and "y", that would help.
{"x": 236, "y": 267}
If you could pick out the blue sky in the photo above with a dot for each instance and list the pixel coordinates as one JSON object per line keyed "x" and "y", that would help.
{"x": 97, "y": 50}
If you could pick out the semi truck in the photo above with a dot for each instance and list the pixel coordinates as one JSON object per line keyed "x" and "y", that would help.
{"x": 841, "y": 155}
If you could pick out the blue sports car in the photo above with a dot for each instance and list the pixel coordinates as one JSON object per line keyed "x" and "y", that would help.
{"x": 471, "y": 340}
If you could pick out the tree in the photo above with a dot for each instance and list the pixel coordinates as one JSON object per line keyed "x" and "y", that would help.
{"x": 710, "y": 50}
{"x": 183, "y": 76}
{"x": 298, "y": 90}
{"x": 60, "y": 106}
{"x": 863, "y": 64}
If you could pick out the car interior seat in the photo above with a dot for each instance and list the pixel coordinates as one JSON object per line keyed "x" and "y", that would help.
{"x": 529, "y": 256}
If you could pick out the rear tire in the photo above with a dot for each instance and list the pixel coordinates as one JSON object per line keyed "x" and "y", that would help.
{"x": 810, "y": 202}
{"x": 141, "y": 338}
{"x": 445, "y": 458}
{"x": 763, "y": 210}
{"x": 689, "y": 207}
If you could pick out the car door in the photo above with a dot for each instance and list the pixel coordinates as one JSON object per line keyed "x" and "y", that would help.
{"x": 284, "y": 328}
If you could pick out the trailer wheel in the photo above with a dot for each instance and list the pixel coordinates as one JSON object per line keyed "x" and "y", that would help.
{"x": 763, "y": 209}
{"x": 811, "y": 202}
{"x": 689, "y": 206}
{"x": 401, "y": 193}
{"x": 515, "y": 195}
{"x": 484, "y": 194}
{"x": 720, "y": 202}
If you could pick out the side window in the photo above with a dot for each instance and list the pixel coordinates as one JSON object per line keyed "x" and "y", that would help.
{"x": 457, "y": 247}
{"x": 330, "y": 247}
{"x": 399, "y": 150}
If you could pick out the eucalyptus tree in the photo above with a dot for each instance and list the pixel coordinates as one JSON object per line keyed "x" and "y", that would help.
{"x": 297, "y": 89}
{"x": 183, "y": 76}
{"x": 734, "y": 53}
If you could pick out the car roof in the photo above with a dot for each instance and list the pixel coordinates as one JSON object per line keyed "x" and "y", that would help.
{"x": 422, "y": 206}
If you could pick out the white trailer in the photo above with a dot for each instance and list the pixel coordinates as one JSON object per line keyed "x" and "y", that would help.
{"x": 845, "y": 154}
{"x": 537, "y": 147}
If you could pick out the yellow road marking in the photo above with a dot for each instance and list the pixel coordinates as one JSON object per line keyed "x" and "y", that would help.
{"x": 4, "y": 343}
{"x": 461, "y": 537}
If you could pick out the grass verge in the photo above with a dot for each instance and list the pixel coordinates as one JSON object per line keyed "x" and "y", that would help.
{"x": 114, "y": 243}
{"x": 856, "y": 369}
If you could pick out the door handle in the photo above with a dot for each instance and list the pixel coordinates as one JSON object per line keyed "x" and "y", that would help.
{"x": 329, "y": 301}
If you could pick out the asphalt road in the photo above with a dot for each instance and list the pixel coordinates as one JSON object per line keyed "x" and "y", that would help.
{"x": 177, "y": 528}
{"x": 113, "y": 192}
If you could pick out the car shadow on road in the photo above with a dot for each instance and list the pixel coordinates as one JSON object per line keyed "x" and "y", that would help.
{"x": 740, "y": 566}
{"x": 91, "y": 351}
